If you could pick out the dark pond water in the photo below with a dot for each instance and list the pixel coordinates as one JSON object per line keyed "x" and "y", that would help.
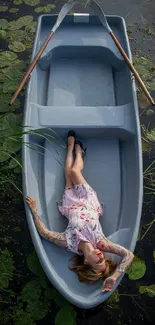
{"x": 26, "y": 296}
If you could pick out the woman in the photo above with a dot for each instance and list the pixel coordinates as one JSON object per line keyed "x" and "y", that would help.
{"x": 83, "y": 234}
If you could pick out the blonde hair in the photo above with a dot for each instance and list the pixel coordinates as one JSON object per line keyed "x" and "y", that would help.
{"x": 86, "y": 273}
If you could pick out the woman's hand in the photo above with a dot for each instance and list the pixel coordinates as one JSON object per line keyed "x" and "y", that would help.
{"x": 31, "y": 203}
{"x": 109, "y": 283}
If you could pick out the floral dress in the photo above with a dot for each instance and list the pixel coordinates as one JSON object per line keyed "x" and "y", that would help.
{"x": 80, "y": 205}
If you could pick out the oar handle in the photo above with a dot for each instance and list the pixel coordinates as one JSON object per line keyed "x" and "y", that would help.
{"x": 31, "y": 67}
{"x": 137, "y": 76}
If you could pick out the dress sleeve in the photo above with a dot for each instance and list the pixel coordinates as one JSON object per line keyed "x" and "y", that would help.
{"x": 126, "y": 256}
{"x": 55, "y": 237}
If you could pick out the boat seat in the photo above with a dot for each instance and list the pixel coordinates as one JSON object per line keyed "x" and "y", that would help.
{"x": 83, "y": 116}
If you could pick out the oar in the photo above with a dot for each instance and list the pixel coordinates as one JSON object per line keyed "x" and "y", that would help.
{"x": 99, "y": 12}
{"x": 63, "y": 12}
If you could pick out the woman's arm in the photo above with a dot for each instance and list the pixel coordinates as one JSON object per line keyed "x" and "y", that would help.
{"x": 127, "y": 256}
{"x": 55, "y": 237}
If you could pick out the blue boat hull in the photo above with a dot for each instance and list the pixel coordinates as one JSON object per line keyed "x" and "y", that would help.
{"x": 82, "y": 82}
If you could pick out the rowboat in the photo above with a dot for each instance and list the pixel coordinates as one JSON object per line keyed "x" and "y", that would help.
{"x": 82, "y": 82}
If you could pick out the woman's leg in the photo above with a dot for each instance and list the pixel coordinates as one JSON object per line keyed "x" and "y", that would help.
{"x": 76, "y": 175}
{"x": 69, "y": 162}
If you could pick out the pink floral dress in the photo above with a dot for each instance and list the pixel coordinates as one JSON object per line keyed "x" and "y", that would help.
{"x": 80, "y": 205}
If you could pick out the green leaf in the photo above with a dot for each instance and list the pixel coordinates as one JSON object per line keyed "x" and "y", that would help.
{"x": 3, "y": 156}
{"x": 34, "y": 265}
{"x": 148, "y": 290}
{"x": 66, "y": 316}
{"x": 14, "y": 163}
{"x": 6, "y": 268}
{"x": 39, "y": 9}
{"x": 3, "y": 8}
{"x": 45, "y": 9}
{"x": 24, "y": 21}
{"x": 114, "y": 298}
{"x": 4, "y": 24}
{"x": 11, "y": 145}
{"x": 154, "y": 255}
{"x": 17, "y": 47}
{"x": 17, "y": 170}
{"x": 32, "y": 2}
{"x": 21, "y": 317}
{"x": 5, "y": 317}
{"x": 13, "y": 10}
{"x": 17, "y": 2}
{"x": 4, "y": 107}
{"x": 13, "y": 25}
{"x": 31, "y": 27}
{"x": 31, "y": 291}
{"x": 37, "y": 308}
{"x": 8, "y": 56}
{"x": 152, "y": 86}
{"x": 142, "y": 100}
{"x": 137, "y": 269}
{"x": 3, "y": 34}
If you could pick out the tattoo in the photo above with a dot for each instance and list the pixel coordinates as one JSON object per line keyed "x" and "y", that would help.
{"x": 55, "y": 237}
{"x": 119, "y": 250}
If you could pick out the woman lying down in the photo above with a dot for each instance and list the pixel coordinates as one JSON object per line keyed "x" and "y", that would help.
{"x": 83, "y": 235}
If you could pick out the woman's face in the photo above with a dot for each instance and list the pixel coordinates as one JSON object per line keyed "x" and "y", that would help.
{"x": 96, "y": 259}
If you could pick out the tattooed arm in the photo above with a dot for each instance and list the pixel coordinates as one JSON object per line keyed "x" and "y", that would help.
{"x": 126, "y": 259}
{"x": 55, "y": 237}
{"x": 126, "y": 256}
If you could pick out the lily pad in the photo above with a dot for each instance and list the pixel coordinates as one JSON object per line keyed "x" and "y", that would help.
{"x": 24, "y": 21}
{"x": 17, "y": 47}
{"x": 137, "y": 269}
{"x": 65, "y": 316}
{"x": 32, "y": 2}
{"x": 17, "y": 2}
{"x": 152, "y": 85}
{"x": 13, "y": 10}
{"x": 21, "y": 317}
{"x": 114, "y": 298}
{"x": 31, "y": 27}
{"x": 34, "y": 265}
{"x": 148, "y": 290}
{"x": 4, "y": 24}
{"x": 3, "y": 34}
{"x": 142, "y": 100}
{"x": 37, "y": 308}
{"x": 6, "y": 268}
{"x": 5, "y": 317}
{"x": 45, "y": 9}
{"x": 31, "y": 291}
{"x": 3, "y": 8}
{"x": 13, "y": 26}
